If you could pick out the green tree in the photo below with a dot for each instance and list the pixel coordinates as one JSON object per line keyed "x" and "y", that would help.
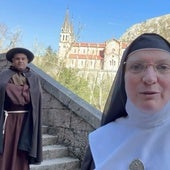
{"x": 69, "y": 78}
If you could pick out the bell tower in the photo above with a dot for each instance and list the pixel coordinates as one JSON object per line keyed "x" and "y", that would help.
{"x": 66, "y": 37}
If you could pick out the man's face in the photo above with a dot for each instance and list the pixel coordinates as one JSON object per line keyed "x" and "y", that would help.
{"x": 20, "y": 61}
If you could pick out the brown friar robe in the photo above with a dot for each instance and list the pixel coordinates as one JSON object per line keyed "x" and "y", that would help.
{"x": 33, "y": 123}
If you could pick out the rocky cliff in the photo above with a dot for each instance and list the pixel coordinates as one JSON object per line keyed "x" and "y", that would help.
{"x": 160, "y": 25}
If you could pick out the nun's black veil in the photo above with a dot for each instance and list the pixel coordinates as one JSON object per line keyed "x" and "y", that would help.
{"x": 115, "y": 104}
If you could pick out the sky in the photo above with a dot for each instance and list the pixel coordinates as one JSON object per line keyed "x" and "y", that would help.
{"x": 40, "y": 21}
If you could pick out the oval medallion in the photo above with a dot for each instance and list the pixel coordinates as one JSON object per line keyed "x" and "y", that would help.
{"x": 136, "y": 165}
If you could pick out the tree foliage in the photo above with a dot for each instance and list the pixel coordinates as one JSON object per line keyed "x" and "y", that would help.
{"x": 90, "y": 89}
{"x": 66, "y": 76}
{"x": 8, "y": 39}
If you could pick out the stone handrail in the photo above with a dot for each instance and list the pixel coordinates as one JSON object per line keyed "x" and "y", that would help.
{"x": 69, "y": 99}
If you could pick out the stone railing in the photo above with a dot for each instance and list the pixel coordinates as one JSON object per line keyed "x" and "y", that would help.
{"x": 67, "y": 116}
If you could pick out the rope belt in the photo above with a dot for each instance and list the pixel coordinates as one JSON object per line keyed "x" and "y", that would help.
{"x": 6, "y": 115}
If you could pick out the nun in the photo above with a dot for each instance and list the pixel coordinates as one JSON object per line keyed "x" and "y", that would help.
{"x": 134, "y": 132}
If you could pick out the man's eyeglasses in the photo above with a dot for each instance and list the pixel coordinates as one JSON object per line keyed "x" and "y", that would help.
{"x": 138, "y": 67}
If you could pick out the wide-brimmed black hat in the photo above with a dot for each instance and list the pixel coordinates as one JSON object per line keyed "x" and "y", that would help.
{"x": 10, "y": 54}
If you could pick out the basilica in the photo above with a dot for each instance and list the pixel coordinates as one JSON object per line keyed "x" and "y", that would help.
{"x": 85, "y": 55}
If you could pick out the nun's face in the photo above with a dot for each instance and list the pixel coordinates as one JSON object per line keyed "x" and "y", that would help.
{"x": 147, "y": 79}
{"x": 20, "y": 61}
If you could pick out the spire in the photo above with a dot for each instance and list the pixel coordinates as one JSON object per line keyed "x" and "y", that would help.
{"x": 67, "y": 25}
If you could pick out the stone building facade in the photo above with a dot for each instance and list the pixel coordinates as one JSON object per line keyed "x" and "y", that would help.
{"x": 86, "y": 55}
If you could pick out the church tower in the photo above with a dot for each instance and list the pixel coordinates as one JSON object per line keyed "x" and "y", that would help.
{"x": 66, "y": 37}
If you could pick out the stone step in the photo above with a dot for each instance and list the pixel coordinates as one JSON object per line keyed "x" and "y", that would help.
{"x": 65, "y": 163}
{"x": 44, "y": 129}
{"x": 48, "y": 139}
{"x": 54, "y": 151}
{"x": 55, "y": 157}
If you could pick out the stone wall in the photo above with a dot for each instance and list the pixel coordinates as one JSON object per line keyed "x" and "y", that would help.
{"x": 67, "y": 116}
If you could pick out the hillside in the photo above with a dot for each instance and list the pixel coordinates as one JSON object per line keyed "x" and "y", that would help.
{"x": 160, "y": 25}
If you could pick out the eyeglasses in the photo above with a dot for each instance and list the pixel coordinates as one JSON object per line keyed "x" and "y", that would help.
{"x": 138, "y": 67}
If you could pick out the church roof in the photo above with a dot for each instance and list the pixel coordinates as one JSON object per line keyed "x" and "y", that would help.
{"x": 85, "y": 56}
{"x": 84, "y": 44}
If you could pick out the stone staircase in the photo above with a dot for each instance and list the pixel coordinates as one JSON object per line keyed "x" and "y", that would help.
{"x": 55, "y": 157}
